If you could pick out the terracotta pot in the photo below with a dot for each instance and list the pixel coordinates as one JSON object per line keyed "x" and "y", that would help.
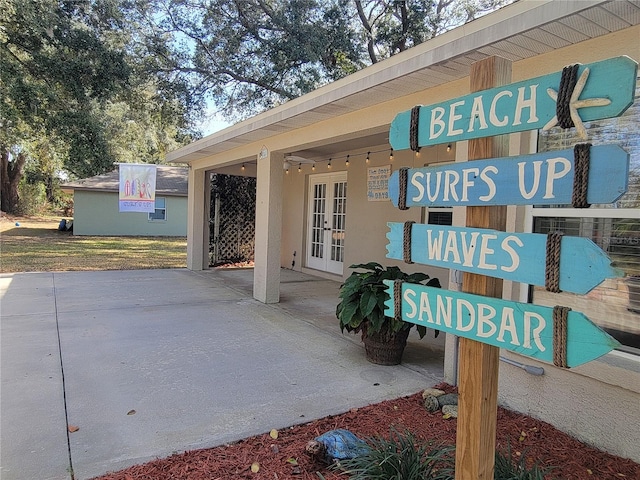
{"x": 383, "y": 351}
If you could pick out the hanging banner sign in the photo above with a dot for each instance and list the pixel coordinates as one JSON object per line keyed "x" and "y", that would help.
{"x": 519, "y": 257}
{"x": 539, "y": 179}
{"x": 519, "y": 327}
{"x": 137, "y": 187}
{"x": 603, "y": 90}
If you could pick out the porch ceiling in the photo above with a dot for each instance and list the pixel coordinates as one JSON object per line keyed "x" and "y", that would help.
{"x": 516, "y": 32}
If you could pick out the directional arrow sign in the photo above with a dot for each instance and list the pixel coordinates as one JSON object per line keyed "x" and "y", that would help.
{"x": 520, "y": 327}
{"x": 528, "y": 105}
{"x": 539, "y": 179}
{"x": 511, "y": 256}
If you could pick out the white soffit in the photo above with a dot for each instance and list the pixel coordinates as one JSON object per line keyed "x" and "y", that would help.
{"x": 521, "y": 30}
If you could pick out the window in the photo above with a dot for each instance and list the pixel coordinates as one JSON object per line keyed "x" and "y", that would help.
{"x": 440, "y": 217}
{"x": 160, "y": 215}
{"x": 615, "y": 304}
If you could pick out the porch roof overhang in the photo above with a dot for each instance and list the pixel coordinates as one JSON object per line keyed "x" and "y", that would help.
{"x": 519, "y": 31}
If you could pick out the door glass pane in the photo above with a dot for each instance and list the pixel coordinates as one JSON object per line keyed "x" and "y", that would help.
{"x": 338, "y": 221}
{"x": 317, "y": 228}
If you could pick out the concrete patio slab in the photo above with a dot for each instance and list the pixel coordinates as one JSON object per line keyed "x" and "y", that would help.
{"x": 163, "y": 361}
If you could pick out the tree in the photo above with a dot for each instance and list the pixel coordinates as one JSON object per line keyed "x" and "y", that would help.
{"x": 68, "y": 71}
{"x": 251, "y": 55}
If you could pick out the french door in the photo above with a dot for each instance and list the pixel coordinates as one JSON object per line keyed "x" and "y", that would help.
{"x": 326, "y": 221}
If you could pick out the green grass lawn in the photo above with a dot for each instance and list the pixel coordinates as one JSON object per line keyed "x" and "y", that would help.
{"x": 36, "y": 245}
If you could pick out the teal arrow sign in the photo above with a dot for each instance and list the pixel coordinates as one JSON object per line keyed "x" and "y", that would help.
{"x": 519, "y": 327}
{"x": 519, "y": 257}
{"x": 603, "y": 90}
{"x": 539, "y": 179}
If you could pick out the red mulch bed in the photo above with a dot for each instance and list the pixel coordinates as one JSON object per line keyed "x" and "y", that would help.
{"x": 285, "y": 457}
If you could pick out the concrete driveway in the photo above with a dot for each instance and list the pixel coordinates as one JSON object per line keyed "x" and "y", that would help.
{"x": 151, "y": 362}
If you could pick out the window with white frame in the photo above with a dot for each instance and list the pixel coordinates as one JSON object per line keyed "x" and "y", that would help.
{"x": 160, "y": 213}
{"x": 615, "y": 304}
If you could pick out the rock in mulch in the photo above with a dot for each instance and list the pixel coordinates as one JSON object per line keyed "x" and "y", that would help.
{"x": 435, "y": 392}
{"x": 450, "y": 411}
{"x": 434, "y": 403}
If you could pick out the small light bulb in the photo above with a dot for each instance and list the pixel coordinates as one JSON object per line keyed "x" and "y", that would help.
{"x": 313, "y": 167}
{"x": 299, "y": 167}
{"x": 329, "y": 164}
{"x": 242, "y": 168}
{"x": 368, "y": 156}
{"x": 391, "y": 155}
{"x": 449, "y": 148}
{"x": 417, "y": 153}
{"x": 347, "y": 162}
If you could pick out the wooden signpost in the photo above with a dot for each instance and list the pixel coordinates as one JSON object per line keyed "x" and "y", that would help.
{"x": 522, "y": 328}
{"x": 519, "y": 257}
{"x": 540, "y": 179}
{"x": 484, "y": 251}
{"x": 603, "y": 90}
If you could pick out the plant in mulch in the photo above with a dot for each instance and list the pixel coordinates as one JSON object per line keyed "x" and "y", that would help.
{"x": 401, "y": 457}
{"x": 404, "y": 457}
{"x": 512, "y": 467}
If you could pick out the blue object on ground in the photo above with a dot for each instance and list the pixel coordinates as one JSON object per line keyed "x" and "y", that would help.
{"x": 342, "y": 444}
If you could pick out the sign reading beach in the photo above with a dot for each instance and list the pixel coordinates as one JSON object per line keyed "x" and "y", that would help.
{"x": 603, "y": 90}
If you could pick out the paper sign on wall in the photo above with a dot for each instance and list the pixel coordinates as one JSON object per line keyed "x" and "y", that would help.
{"x": 378, "y": 183}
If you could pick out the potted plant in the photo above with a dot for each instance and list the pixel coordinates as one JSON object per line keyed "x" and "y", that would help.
{"x": 361, "y": 310}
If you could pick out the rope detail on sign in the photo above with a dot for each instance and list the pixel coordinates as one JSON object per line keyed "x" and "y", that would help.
{"x": 403, "y": 180}
{"x": 413, "y": 128}
{"x": 397, "y": 299}
{"x": 581, "y": 158}
{"x": 552, "y": 266}
{"x": 567, "y": 84}
{"x": 406, "y": 241}
{"x": 560, "y": 316}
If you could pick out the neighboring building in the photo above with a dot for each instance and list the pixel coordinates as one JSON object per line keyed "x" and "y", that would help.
{"x": 322, "y": 210}
{"x": 96, "y": 209}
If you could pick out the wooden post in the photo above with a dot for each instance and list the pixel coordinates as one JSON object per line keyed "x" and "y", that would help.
{"x": 478, "y": 362}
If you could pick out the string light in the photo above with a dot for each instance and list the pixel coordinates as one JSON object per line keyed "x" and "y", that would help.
{"x": 242, "y": 168}
{"x": 418, "y": 153}
{"x": 287, "y": 165}
{"x": 449, "y": 148}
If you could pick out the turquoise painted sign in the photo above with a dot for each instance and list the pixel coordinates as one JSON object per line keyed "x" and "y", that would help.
{"x": 519, "y": 257}
{"x": 539, "y": 179}
{"x": 603, "y": 90}
{"x": 519, "y": 327}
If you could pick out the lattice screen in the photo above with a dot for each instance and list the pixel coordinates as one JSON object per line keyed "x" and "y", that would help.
{"x": 232, "y": 222}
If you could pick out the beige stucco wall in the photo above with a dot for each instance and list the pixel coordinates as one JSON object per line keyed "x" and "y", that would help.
{"x": 96, "y": 213}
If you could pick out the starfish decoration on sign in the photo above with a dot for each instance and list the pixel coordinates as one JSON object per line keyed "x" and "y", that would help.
{"x": 575, "y": 103}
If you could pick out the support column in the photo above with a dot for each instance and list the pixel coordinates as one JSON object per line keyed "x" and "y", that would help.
{"x": 266, "y": 274}
{"x": 197, "y": 248}
{"x": 478, "y": 363}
